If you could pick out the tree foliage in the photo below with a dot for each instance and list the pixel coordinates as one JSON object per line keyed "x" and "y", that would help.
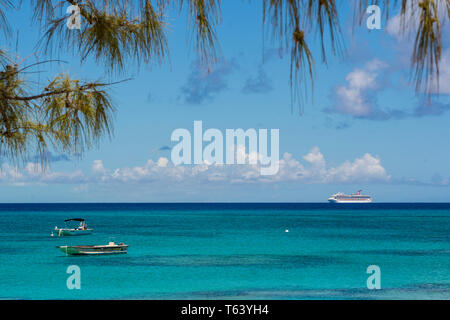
{"x": 72, "y": 115}
{"x": 68, "y": 115}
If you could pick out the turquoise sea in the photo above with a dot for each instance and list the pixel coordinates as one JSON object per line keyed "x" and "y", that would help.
{"x": 230, "y": 251}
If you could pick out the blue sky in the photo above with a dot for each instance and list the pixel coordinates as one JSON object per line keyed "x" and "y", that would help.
{"x": 364, "y": 127}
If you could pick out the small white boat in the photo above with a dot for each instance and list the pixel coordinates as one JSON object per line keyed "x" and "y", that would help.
{"x": 110, "y": 248}
{"x": 81, "y": 230}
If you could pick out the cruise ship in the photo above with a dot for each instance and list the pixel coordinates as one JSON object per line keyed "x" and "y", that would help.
{"x": 353, "y": 198}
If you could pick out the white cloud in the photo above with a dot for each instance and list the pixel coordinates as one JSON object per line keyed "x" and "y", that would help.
{"x": 11, "y": 173}
{"x": 403, "y": 29}
{"x": 33, "y": 173}
{"x": 444, "y": 74}
{"x": 162, "y": 162}
{"x": 364, "y": 169}
{"x": 315, "y": 157}
{"x": 354, "y": 98}
{"x": 97, "y": 166}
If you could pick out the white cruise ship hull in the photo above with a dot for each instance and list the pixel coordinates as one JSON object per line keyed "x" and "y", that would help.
{"x": 332, "y": 200}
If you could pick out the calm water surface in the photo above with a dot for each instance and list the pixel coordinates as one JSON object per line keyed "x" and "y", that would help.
{"x": 230, "y": 251}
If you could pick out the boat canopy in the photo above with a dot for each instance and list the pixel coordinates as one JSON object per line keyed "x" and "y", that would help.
{"x": 74, "y": 219}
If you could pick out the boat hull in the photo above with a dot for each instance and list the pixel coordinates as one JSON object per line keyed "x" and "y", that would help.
{"x": 93, "y": 250}
{"x": 71, "y": 232}
{"x": 349, "y": 201}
